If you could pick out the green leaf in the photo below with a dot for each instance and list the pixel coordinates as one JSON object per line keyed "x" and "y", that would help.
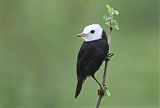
{"x": 115, "y": 27}
{"x": 107, "y": 92}
{"x": 114, "y": 22}
{"x": 106, "y": 18}
{"x": 107, "y": 23}
{"x": 116, "y": 12}
{"x": 109, "y": 9}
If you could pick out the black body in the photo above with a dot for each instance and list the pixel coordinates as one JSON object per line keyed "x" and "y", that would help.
{"x": 90, "y": 57}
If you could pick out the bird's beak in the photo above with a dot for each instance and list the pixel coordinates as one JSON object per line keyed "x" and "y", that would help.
{"x": 82, "y": 35}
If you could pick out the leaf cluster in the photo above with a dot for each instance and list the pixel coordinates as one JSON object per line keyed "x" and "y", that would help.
{"x": 109, "y": 17}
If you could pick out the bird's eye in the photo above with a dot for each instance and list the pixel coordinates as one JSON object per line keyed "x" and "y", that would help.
{"x": 92, "y": 31}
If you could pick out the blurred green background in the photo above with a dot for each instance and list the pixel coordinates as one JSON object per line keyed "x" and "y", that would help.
{"x": 38, "y": 49}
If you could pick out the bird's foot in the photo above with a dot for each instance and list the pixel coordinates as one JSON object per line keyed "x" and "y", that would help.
{"x": 109, "y": 56}
{"x": 105, "y": 87}
{"x": 102, "y": 90}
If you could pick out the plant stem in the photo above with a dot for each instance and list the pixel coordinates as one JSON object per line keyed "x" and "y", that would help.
{"x": 99, "y": 101}
{"x": 101, "y": 94}
{"x": 105, "y": 73}
{"x": 101, "y": 91}
{"x": 110, "y": 29}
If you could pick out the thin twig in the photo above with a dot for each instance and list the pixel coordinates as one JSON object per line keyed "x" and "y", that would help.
{"x": 101, "y": 91}
{"x": 110, "y": 29}
{"x": 99, "y": 101}
{"x": 105, "y": 72}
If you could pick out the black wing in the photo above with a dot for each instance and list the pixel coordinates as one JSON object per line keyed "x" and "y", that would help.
{"x": 82, "y": 50}
{"x": 83, "y": 56}
{"x": 89, "y": 61}
{"x": 94, "y": 63}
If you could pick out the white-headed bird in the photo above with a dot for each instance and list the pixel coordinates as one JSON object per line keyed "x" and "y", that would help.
{"x": 91, "y": 54}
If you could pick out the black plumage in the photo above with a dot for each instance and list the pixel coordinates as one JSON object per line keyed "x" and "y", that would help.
{"x": 90, "y": 57}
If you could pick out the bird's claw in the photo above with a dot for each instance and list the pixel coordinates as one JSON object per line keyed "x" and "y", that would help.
{"x": 105, "y": 87}
{"x": 109, "y": 56}
{"x": 102, "y": 90}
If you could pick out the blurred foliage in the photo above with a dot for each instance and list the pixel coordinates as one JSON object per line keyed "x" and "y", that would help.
{"x": 38, "y": 48}
{"x": 109, "y": 18}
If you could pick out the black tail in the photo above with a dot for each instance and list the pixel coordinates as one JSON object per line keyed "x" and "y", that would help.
{"x": 79, "y": 87}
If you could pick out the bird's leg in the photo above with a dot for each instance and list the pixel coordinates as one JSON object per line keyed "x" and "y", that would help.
{"x": 97, "y": 81}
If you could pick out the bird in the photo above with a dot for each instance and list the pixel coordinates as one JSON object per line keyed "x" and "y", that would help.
{"x": 92, "y": 53}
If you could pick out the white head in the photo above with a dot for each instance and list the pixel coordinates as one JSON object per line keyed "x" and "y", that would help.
{"x": 91, "y": 32}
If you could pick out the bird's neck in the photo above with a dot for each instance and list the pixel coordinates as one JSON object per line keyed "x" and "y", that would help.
{"x": 89, "y": 39}
{"x": 93, "y": 40}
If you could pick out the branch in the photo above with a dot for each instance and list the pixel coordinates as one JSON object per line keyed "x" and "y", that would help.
{"x": 110, "y": 29}
{"x": 112, "y": 24}
{"x": 101, "y": 91}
